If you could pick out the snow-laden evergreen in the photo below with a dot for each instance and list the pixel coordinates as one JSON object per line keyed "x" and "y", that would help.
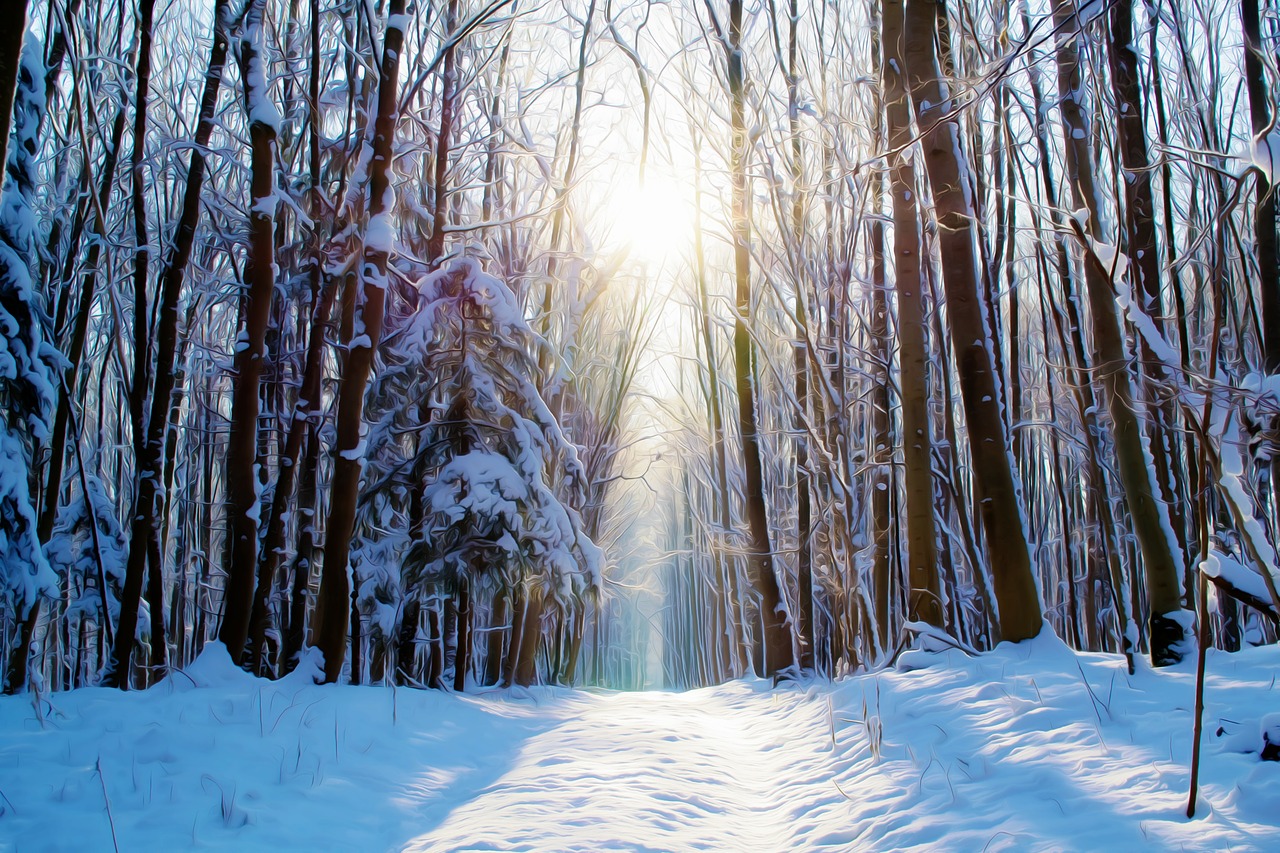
{"x": 26, "y": 361}
{"x": 471, "y": 478}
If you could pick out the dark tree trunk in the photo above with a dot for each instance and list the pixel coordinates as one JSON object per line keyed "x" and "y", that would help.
{"x": 448, "y": 86}
{"x": 462, "y": 653}
{"x": 244, "y": 504}
{"x": 13, "y": 24}
{"x": 996, "y": 486}
{"x": 924, "y": 601}
{"x": 778, "y": 645}
{"x": 493, "y": 650}
{"x": 347, "y": 452}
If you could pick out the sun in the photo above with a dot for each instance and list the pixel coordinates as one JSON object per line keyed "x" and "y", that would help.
{"x": 652, "y": 221}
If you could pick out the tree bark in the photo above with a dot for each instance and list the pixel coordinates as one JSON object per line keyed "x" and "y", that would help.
{"x": 448, "y": 87}
{"x": 348, "y": 451}
{"x": 1147, "y": 511}
{"x": 924, "y": 599}
{"x": 462, "y": 652}
{"x": 881, "y": 437}
{"x": 996, "y": 486}
{"x": 244, "y": 505}
{"x": 775, "y": 618}
{"x": 1264, "y": 212}
{"x": 143, "y": 544}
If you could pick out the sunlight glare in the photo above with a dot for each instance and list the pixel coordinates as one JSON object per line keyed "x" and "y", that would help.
{"x": 654, "y": 221}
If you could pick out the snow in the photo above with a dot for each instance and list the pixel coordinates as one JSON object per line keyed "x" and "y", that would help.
{"x": 257, "y": 91}
{"x": 24, "y": 572}
{"x": 357, "y": 453}
{"x": 1029, "y": 747}
{"x": 1232, "y": 480}
{"x": 26, "y": 359}
{"x": 1235, "y": 573}
{"x": 380, "y": 236}
{"x": 1266, "y": 153}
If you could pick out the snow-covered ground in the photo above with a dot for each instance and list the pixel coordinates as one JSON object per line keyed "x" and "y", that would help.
{"x": 1031, "y": 747}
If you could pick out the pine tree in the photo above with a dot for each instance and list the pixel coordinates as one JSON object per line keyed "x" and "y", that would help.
{"x": 26, "y": 389}
{"x": 490, "y": 463}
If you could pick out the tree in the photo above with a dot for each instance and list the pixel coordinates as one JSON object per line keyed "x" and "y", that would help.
{"x": 925, "y": 599}
{"x": 1148, "y": 512}
{"x": 365, "y": 315}
{"x": 996, "y": 486}
{"x": 775, "y": 616}
{"x": 244, "y": 486}
{"x": 26, "y": 390}
{"x": 492, "y": 457}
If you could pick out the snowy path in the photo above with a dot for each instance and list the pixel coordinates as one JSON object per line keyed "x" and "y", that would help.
{"x": 699, "y": 771}
{"x": 1027, "y": 748}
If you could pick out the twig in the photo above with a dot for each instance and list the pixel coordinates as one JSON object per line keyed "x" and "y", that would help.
{"x": 1197, "y": 729}
{"x": 115, "y": 842}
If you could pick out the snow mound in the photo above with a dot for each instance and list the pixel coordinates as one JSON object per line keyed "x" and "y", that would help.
{"x": 213, "y": 668}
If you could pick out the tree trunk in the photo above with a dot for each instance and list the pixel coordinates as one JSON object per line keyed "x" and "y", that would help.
{"x": 348, "y": 451}
{"x": 526, "y": 673}
{"x": 493, "y": 651}
{"x": 924, "y": 600}
{"x": 244, "y": 504}
{"x": 800, "y": 363}
{"x": 304, "y": 412}
{"x": 1147, "y": 512}
{"x": 462, "y": 652}
{"x": 775, "y": 618}
{"x": 1264, "y": 212}
{"x": 149, "y": 455}
{"x": 13, "y": 25}
{"x": 722, "y": 498}
{"x": 448, "y": 86}
{"x": 519, "y": 609}
{"x": 996, "y": 487}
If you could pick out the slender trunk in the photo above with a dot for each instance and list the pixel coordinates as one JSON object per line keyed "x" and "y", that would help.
{"x": 244, "y": 504}
{"x": 1144, "y": 249}
{"x": 996, "y": 486}
{"x": 304, "y": 554}
{"x": 1147, "y": 511}
{"x": 448, "y": 87}
{"x": 348, "y": 451}
{"x": 722, "y": 498}
{"x": 141, "y": 248}
{"x": 775, "y": 618}
{"x": 462, "y": 653}
{"x": 79, "y": 333}
{"x": 306, "y": 504}
{"x": 305, "y": 411}
{"x": 800, "y": 366}
{"x": 147, "y": 459}
{"x": 881, "y": 363}
{"x": 925, "y": 599}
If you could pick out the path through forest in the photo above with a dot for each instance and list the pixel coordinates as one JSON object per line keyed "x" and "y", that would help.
{"x": 738, "y": 768}
{"x": 1030, "y": 747}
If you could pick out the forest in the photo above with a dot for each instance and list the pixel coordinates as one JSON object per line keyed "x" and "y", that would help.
{"x": 632, "y": 343}
{"x": 646, "y": 425}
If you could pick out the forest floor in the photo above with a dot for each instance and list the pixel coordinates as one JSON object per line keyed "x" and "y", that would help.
{"x": 1030, "y": 747}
